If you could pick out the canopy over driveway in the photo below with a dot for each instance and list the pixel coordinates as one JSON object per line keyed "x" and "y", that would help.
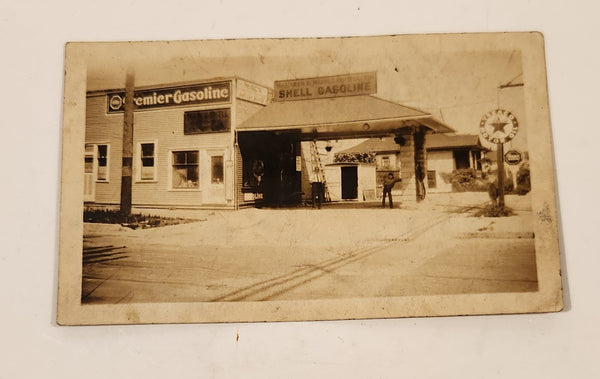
{"x": 341, "y": 117}
{"x": 273, "y": 136}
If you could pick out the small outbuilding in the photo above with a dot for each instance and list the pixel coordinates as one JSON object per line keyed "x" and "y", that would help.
{"x": 444, "y": 154}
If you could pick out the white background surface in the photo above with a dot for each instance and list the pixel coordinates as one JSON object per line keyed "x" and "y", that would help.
{"x": 32, "y": 36}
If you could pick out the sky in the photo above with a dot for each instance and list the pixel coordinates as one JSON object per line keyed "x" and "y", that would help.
{"x": 456, "y": 82}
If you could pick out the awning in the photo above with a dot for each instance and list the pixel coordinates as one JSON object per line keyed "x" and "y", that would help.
{"x": 351, "y": 116}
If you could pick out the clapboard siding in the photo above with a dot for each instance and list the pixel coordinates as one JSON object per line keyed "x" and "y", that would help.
{"x": 165, "y": 128}
{"x": 240, "y": 178}
{"x": 99, "y": 129}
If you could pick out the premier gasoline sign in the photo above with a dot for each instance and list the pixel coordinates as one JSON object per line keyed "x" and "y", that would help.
{"x": 208, "y": 93}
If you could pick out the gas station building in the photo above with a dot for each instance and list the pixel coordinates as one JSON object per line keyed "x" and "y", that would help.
{"x": 227, "y": 143}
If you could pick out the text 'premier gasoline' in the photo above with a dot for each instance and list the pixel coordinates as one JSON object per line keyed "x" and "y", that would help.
{"x": 175, "y": 96}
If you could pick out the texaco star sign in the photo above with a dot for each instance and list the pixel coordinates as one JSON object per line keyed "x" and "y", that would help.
{"x": 498, "y": 126}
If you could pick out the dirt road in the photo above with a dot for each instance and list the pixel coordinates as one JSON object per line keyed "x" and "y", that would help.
{"x": 305, "y": 254}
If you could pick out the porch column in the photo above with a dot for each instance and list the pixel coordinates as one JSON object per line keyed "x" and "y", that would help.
{"x": 420, "y": 163}
{"x": 407, "y": 171}
{"x": 413, "y": 152}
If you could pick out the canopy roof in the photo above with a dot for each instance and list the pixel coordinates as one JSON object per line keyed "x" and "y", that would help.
{"x": 432, "y": 142}
{"x": 351, "y": 116}
{"x": 374, "y": 145}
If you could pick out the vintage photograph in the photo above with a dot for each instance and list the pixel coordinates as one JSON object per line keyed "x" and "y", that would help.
{"x": 307, "y": 179}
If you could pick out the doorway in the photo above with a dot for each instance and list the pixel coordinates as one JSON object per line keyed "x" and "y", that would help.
{"x": 461, "y": 159}
{"x": 350, "y": 183}
{"x": 269, "y": 167}
{"x": 215, "y": 183}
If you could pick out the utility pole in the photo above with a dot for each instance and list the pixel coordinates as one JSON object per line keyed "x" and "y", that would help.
{"x": 127, "y": 155}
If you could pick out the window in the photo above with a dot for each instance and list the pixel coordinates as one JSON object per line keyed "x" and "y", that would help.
{"x": 216, "y": 169}
{"x": 385, "y": 162}
{"x": 185, "y": 172}
{"x": 147, "y": 161}
{"x": 431, "y": 179}
{"x": 208, "y": 121}
{"x": 102, "y": 159}
{"x": 89, "y": 164}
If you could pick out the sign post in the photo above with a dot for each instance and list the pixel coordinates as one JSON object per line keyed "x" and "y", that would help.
{"x": 512, "y": 158}
{"x": 499, "y": 126}
{"x": 500, "y": 159}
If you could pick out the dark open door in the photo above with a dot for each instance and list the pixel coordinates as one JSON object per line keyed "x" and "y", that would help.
{"x": 461, "y": 159}
{"x": 349, "y": 182}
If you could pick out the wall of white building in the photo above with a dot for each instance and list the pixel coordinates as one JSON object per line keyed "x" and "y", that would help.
{"x": 442, "y": 162}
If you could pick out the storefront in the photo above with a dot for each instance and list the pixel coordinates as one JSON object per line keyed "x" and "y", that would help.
{"x": 184, "y": 147}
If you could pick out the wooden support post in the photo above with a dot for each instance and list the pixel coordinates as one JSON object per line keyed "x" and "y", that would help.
{"x": 420, "y": 163}
{"x": 127, "y": 155}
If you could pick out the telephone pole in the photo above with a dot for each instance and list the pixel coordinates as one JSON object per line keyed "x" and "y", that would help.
{"x": 127, "y": 154}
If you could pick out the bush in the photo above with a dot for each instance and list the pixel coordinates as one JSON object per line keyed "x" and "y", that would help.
{"x": 523, "y": 179}
{"x": 467, "y": 179}
{"x": 493, "y": 210}
{"x": 133, "y": 221}
{"x": 368, "y": 158}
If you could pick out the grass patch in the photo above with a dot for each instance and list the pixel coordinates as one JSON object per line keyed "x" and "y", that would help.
{"x": 133, "y": 221}
{"x": 492, "y": 210}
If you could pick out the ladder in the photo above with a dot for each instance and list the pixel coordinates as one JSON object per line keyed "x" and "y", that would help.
{"x": 317, "y": 168}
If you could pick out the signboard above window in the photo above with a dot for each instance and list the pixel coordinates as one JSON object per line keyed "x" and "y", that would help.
{"x": 198, "y": 94}
{"x": 207, "y": 121}
{"x": 326, "y": 86}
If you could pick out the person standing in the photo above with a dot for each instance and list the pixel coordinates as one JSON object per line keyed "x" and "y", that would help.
{"x": 388, "y": 184}
{"x": 317, "y": 193}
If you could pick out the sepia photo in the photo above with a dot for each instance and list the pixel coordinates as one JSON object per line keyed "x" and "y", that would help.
{"x": 307, "y": 179}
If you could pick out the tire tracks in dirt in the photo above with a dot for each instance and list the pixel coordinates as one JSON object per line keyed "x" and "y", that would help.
{"x": 271, "y": 288}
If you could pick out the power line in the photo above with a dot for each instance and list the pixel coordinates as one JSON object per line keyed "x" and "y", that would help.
{"x": 510, "y": 84}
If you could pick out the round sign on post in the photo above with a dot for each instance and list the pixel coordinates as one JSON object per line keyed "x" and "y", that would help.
{"x": 513, "y": 157}
{"x": 498, "y": 126}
